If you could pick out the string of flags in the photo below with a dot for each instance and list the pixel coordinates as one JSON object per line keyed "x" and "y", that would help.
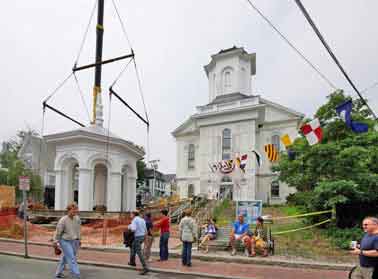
{"x": 228, "y": 166}
{"x": 312, "y": 131}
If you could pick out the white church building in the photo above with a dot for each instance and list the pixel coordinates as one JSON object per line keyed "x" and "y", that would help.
{"x": 233, "y": 123}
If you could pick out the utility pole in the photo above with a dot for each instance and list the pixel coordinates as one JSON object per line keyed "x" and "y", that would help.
{"x": 154, "y": 165}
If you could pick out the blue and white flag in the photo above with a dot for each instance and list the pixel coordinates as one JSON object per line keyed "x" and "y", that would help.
{"x": 344, "y": 111}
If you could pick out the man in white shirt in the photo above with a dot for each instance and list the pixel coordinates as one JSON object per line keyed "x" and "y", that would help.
{"x": 138, "y": 226}
{"x": 68, "y": 236}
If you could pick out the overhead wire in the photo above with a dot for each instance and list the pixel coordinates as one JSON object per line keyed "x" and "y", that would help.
{"x": 369, "y": 87}
{"x": 121, "y": 73}
{"x": 58, "y": 87}
{"x": 82, "y": 97}
{"x": 86, "y": 32}
{"x": 137, "y": 74}
{"x": 140, "y": 89}
{"x": 331, "y": 84}
{"x": 122, "y": 24}
{"x": 333, "y": 56}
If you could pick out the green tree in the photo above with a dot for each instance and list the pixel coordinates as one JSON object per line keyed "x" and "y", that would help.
{"x": 141, "y": 165}
{"x": 343, "y": 167}
{"x": 14, "y": 167}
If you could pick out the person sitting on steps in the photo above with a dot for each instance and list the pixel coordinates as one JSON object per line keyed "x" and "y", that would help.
{"x": 239, "y": 232}
{"x": 259, "y": 239}
{"x": 210, "y": 234}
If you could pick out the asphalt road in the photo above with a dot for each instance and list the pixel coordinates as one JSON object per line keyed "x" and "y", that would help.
{"x": 19, "y": 268}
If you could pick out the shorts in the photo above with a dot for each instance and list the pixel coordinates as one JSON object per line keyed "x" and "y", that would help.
{"x": 260, "y": 243}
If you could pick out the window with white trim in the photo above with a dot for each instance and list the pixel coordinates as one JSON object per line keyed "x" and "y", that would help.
{"x": 275, "y": 189}
{"x": 226, "y": 144}
{"x": 276, "y": 142}
{"x": 191, "y": 156}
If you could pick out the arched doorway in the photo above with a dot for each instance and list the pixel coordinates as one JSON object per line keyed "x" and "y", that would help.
{"x": 100, "y": 186}
{"x": 70, "y": 181}
{"x": 226, "y": 188}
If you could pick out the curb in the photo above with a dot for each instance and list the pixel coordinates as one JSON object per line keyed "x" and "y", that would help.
{"x": 101, "y": 264}
{"x": 215, "y": 258}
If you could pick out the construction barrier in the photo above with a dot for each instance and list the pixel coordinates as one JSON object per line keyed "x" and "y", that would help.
{"x": 7, "y": 196}
{"x": 303, "y": 228}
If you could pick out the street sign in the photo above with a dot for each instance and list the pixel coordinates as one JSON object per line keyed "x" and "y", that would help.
{"x": 24, "y": 183}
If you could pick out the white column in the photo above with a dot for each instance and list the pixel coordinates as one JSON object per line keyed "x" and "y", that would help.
{"x": 131, "y": 193}
{"x": 85, "y": 190}
{"x": 58, "y": 204}
{"x": 114, "y": 192}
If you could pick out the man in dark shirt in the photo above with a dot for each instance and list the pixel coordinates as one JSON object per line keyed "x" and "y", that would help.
{"x": 368, "y": 250}
{"x": 149, "y": 237}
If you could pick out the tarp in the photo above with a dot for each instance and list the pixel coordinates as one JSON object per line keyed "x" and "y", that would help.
{"x": 7, "y": 196}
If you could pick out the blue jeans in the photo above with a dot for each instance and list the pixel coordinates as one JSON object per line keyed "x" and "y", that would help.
{"x": 163, "y": 245}
{"x": 186, "y": 253}
{"x": 137, "y": 250}
{"x": 69, "y": 248}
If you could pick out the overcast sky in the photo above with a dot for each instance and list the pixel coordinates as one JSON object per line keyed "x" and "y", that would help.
{"x": 172, "y": 41}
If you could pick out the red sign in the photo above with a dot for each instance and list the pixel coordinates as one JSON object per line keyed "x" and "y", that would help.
{"x": 24, "y": 183}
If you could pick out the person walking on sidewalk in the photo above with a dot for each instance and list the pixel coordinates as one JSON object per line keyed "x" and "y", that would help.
{"x": 138, "y": 226}
{"x": 368, "y": 249}
{"x": 188, "y": 234}
{"x": 67, "y": 234}
{"x": 149, "y": 237}
{"x": 164, "y": 225}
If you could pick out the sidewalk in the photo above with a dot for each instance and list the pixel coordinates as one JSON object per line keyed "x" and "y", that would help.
{"x": 214, "y": 269}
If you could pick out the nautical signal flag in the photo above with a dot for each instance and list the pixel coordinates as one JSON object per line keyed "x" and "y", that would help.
{"x": 271, "y": 152}
{"x": 286, "y": 140}
{"x": 344, "y": 111}
{"x": 312, "y": 131}
{"x": 258, "y": 158}
{"x": 243, "y": 162}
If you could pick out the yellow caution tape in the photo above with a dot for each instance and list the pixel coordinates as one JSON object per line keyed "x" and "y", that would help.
{"x": 303, "y": 215}
{"x": 304, "y": 228}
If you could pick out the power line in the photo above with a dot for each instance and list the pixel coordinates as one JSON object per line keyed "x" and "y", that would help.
{"x": 316, "y": 30}
{"x": 370, "y": 87}
{"x": 292, "y": 46}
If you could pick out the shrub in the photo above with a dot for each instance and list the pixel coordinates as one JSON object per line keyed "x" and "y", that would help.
{"x": 300, "y": 198}
{"x": 343, "y": 237}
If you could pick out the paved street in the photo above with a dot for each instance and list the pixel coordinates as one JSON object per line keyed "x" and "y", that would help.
{"x": 252, "y": 271}
{"x": 19, "y": 268}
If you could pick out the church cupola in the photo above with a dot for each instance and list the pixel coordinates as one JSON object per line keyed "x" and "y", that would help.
{"x": 230, "y": 71}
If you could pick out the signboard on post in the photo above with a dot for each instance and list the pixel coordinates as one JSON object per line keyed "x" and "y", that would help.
{"x": 24, "y": 183}
{"x": 250, "y": 210}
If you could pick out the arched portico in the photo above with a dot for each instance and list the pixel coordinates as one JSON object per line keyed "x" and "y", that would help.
{"x": 92, "y": 175}
{"x": 67, "y": 181}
